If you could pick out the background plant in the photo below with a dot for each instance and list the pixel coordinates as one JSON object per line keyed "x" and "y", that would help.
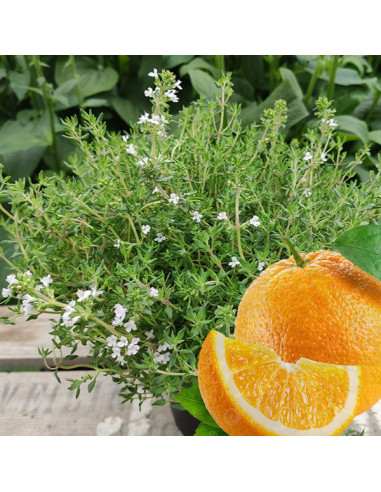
{"x": 37, "y": 91}
{"x": 156, "y": 235}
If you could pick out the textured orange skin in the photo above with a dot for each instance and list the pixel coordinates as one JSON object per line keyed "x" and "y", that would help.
{"x": 217, "y": 398}
{"x": 328, "y": 311}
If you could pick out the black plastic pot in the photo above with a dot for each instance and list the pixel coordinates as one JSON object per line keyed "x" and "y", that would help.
{"x": 185, "y": 422}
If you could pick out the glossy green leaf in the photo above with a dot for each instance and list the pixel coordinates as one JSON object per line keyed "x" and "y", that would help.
{"x": 207, "y": 430}
{"x": 192, "y": 401}
{"x": 362, "y": 247}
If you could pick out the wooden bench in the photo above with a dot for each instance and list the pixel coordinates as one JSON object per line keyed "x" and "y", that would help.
{"x": 32, "y": 402}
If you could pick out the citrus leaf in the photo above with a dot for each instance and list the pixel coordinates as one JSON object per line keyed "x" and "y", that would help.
{"x": 362, "y": 247}
{"x": 207, "y": 430}
{"x": 191, "y": 400}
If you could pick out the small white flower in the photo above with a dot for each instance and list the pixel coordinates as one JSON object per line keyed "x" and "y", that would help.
{"x": 133, "y": 348}
{"x": 117, "y": 244}
{"x": 323, "y": 157}
{"x": 83, "y": 295}
{"x": 155, "y": 119}
{"x": 11, "y": 279}
{"x": 307, "y": 156}
{"x": 146, "y": 229}
{"x": 303, "y": 180}
{"x": 39, "y": 287}
{"x": 261, "y": 265}
{"x": 148, "y": 92}
{"x": 172, "y": 95}
{"x": 222, "y": 216}
{"x": 156, "y": 190}
{"x": 149, "y": 334}
{"x": 69, "y": 322}
{"x": 163, "y": 347}
{"x": 162, "y": 133}
{"x": 125, "y": 138}
{"x": 112, "y": 341}
{"x": 115, "y": 352}
{"x": 143, "y": 161}
{"x": 131, "y": 150}
{"x": 95, "y": 292}
{"x": 307, "y": 192}
{"x": 130, "y": 325}
{"x": 27, "y": 299}
{"x": 165, "y": 357}
{"x": 178, "y": 85}
{"x": 6, "y": 292}
{"x": 153, "y": 292}
{"x": 46, "y": 280}
{"x": 123, "y": 342}
{"x": 163, "y": 119}
{"x": 160, "y": 238}
{"x": 28, "y": 273}
{"x": 332, "y": 123}
{"x": 120, "y": 311}
{"x": 196, "y": 216}
{"x": 153, "y": 74}
{"x": 27, "y": 309}
{"x": 144, "y": 118}
{"x": 255, "y": 221}
{"x": 234, "y": 262}
{"x": 174, "y": 199}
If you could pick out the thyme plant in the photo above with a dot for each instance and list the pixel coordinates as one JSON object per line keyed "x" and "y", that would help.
{"x": 154, "y": 239}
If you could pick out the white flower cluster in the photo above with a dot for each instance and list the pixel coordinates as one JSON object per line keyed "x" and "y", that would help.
{"x": 161, "y": 356}
{"x": 117, "y": 345}
{"x": 120, "y": 315}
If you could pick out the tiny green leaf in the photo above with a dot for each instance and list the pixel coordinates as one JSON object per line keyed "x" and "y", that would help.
{"x": 91, "y": 385}
{"x": 362, "y": 247}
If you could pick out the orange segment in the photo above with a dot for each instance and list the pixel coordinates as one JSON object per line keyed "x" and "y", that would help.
{"x": 249, "y": 390}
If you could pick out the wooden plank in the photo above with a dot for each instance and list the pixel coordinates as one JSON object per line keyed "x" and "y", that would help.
{"x": 19, "y": 343}
{"x": 35, "y": 404}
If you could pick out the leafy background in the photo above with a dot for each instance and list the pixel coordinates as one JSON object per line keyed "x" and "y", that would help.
{"x": 37, "y": 91}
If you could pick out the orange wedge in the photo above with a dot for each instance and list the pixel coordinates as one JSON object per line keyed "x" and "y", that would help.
{"x": 250, "y": 391}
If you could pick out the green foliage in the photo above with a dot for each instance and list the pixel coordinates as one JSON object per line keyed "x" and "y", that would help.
{"x": 157, "y": 248}
{"x": 191, "y": 400}
{"x": 362, "y": 246}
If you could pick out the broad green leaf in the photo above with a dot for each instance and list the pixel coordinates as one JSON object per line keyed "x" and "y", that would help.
{"x": 15, "y": 138}
{"x": 202, "y": 83}
{"x": 192, "y": 401}
{"x": 287, "y": 74}
{"x": 126, "y": 109}
{"x": 91, "y": 79}
{"x": 353, "y": 125}
{"x": 362, "y": 247}
{"x": 199, "y": 64}
{"x": 207, "y": 430}
{"x": 3, "y": 73}
{"x": 375, "y": 136}
{"x": 95, "y": 102}
{"x": 296, "y": 111}
{"x": 171, "y": 61}
{"x": 19, "y": 83}
{"x": 22, "y": 164}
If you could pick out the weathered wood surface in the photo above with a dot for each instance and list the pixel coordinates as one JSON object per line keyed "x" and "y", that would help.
{"x": 35, "y": 404}
{"x": 19, "y": 343}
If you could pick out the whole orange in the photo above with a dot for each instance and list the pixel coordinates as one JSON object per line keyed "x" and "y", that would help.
{"x": 327, "y": 310}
